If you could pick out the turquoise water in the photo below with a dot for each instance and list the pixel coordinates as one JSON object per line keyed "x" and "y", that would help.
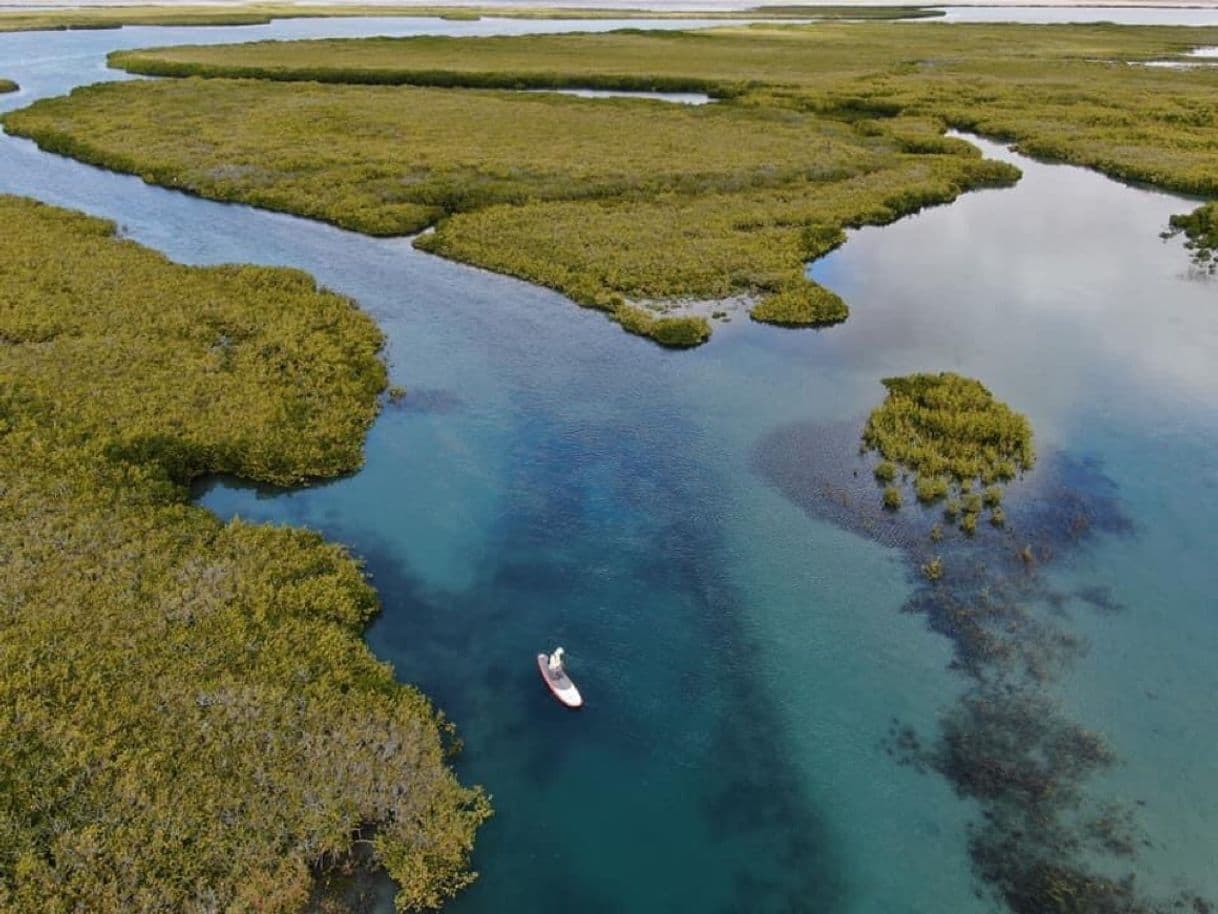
{"x": 663, "y": 515}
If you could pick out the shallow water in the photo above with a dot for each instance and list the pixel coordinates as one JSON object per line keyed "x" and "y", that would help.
{"x": 1197, "y": 57}
{"x": 550, "y": 479}
{"x": 1121, "y": 15}
{"x": 678, "y": 98}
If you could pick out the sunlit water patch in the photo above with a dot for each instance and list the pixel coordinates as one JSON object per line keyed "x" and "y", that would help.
{"x": 744, "y": 655}
{"x": 679, "y": 98}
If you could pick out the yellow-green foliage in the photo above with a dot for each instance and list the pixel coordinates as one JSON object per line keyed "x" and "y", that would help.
{"x": 705, "y": 245}
{"x": 675, "y": 332}
{"x": 392, "y": 160}
{"x": 64, "y": 19}
{"x": 1061, "y": 91}
{"x": 801, "y": 302}
{"x": 1065, "y": 91}
{"x": 930, "y": 488}
{"x": 968, "y": 523}
{"x": 605, "y": 200}
{"x": 1200, "y": 229}
{"x": 7, "y": 85}
{"x": 946, "y": 426}
{"x": 260, "y": 13}
{"x": 190, "y": 720}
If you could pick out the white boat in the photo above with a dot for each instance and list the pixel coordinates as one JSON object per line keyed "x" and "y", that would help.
{"x": 556, "y": 678}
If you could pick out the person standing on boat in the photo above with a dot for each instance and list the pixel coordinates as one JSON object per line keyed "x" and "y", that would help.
{"x": 555, "y": 662}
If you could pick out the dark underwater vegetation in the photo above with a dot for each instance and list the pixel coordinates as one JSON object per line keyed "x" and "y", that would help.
{"x": 1005, "y": 744}
{"x": 623, "y": 477}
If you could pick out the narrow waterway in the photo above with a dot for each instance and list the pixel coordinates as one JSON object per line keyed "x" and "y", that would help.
{"x": 550, "y": 479}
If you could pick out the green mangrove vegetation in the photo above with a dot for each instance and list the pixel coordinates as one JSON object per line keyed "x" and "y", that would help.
{"x": 633, "y": 201}
{"x": 801, "y": 302}
{"x": 624, "y": 202}
{"x": 950, "y": 431}
{"x": 1049, "y": 836}
{"x": 190, "y": 719}
{"x": 7, "y": 85}
{"x": 675, "y": 332}
{"x": 1200, "y": 230}
{"x": 33, "y": 20}
{"x": 1064, "y": 92}
{"x": 211, "y": 14}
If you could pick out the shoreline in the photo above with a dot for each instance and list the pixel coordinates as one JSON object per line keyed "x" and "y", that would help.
{"x": 398, "y": 7}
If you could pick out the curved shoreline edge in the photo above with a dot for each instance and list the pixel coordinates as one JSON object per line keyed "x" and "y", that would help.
{"x": 201, "y": 681}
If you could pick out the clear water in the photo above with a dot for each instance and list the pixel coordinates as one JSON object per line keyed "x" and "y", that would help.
{"x": 550, "y": 479}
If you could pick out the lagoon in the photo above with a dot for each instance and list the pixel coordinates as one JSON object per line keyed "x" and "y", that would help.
{"x": 547, "y": 480}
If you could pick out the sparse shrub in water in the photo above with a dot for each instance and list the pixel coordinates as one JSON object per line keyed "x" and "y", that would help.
{"x": 885, "y": 471}
{"x": 1200, "y": 229}
{"x": 968, "y": 523}
{"x": 933, "y": 570}
{"x": 930, "y": 488}
{"x": 892, "y": 498}
{"x": 992, "y": 496}
{"x": 998, "y": 517}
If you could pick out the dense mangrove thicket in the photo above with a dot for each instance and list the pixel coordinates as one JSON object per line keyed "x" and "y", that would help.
{"x": 706, "y": 245}
{"x": 394, "y": 160}
{"x": 951, "y": 433}
{"x": 1075, "y": 93}
{"x": 802, "y": 303}
{"x": 626, "y": 201}
{"x": 189, "y": 719}
{"x": 7, "y": 85}
{"x": 618, "y": 203}
{"x": 261, "y": 13}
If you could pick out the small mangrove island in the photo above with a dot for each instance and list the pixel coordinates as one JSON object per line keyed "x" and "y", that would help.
{"x": 191, "y": 718}
{"x": 1200, "y": 230}
{"x": 950, "y": 433}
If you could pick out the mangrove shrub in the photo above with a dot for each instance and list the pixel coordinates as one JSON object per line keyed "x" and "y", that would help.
{"x": 945, "y": 427}
{"x": 189, "y": 718}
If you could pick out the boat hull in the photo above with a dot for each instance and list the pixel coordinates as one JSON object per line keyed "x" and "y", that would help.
{"x": 560, "y": 685}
